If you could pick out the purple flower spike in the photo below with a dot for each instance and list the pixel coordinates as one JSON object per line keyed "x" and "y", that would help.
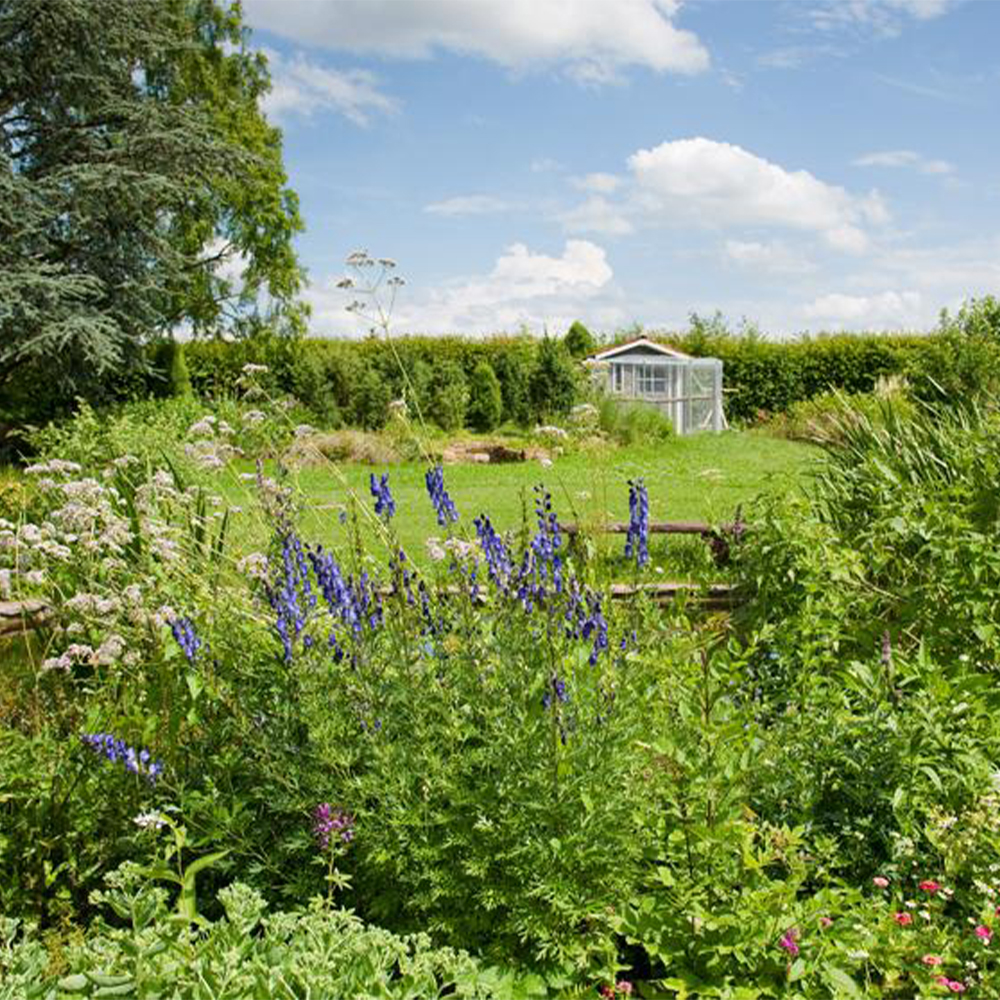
{"x": 443, "y": 504}
{"x": 637, "y": 539}
{"x": 137, "y": 762}
{"x": 384, "y": 504}
{"x": 187, "y": 638}
{"x": 330, "y": 824}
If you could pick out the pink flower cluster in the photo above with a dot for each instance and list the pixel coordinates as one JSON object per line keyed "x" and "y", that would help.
{"x": 789, "y": 941}
{"x": 952, "y": 984}
{"x": 622, "y": 988}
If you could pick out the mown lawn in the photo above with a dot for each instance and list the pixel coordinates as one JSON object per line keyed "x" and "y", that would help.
{"x": 701, "y": 477}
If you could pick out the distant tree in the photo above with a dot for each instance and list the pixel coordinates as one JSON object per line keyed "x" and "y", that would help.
{"x": 449, "y": 396}
{"x": 485, "y": 399}
{"x": 579, "y": 341}
{"x": 134, "y": 160}
{"x": 553, "y": 381}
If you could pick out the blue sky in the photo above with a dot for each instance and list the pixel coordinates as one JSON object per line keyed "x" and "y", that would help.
{"x": 802, "y": 164}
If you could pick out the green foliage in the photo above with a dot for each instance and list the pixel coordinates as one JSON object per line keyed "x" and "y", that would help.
{"x": 751, "y": 808}
{"x": 553, "y": 383}
{"x": 169, "y": 374}
{"x": 248, "y": 954}
{"x": 961, "y": 361}
{"x": 485, "y": 399}
{"x": 579, "y": 341}
{"x": 130, "y": 140}
{"x": 633, "y": 423}
{"x": 449, "y": 397}
{"x": 824, "y": 419}
{"x": 185, "y": 430}
{"x": 764, "y": 377}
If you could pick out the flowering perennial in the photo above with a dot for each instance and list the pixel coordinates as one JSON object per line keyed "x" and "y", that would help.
{"x": 330, "y": 825}
{"x": 116, "y": 750}
{"x": 498, "y": 562}
{"x": 187, "y": 638}
{"x": 384, "y": 504}
{"x": 443, "y": 504}
{"x": 637, "y": 539}
{"x": 291, "y": 596}
{"x": 789, "y": 941}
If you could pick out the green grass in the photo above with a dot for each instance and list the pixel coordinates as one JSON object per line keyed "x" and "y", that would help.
{"x": 702, "y": 477}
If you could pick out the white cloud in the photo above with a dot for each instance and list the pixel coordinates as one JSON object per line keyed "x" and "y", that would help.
{"x": 883, "y": 17}
{"x": 898, "y": 310}
{"x": 523, "y": 287}
{"x": 596, "y": 215}
{"x": 470, "y": 204}
{"x": 771, "y": 258}
{"x": 597, "y": 183}
{"x": 594, "y": 40}
{"x": 904, "y": 158}
{"x": 302, "y": 87}
{"x": 717, "y": 184}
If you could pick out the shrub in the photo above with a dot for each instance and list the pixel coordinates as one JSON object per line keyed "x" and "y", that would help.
{"x": 449, "y": 397}
{"x": 513, "y": 369}
{"x": 633, "y": 423}
{"x": 485, "y": 399}
{"x": 368, "y": 397}
{"x": 824, "y": 419}
{"x": 553, "y": 383}
{"x": 579, "y": 341}
{"x": 962, "y": 361}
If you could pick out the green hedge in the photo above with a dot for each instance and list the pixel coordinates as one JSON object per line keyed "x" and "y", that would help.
{"x": 762, "y": 376}
{"x": 351, "y": 382}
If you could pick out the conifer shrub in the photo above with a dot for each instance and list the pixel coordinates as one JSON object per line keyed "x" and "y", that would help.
{"x": 485, "y": 399}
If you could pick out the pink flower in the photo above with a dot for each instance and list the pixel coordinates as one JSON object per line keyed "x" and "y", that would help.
{"x": 929, "y": 885}
{"x": 825, "y": 922}
{"x": 624, "y": 987}
{"x": 984, "y": 933}
{"x": 932, "y": 960}
{"x": 955, "y": 986}
{"x": 903, "y": 919}
{"x": 880, "y": 881}
{"x": 788, "y": 942}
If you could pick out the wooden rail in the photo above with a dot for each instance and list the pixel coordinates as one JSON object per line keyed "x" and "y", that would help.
{"x": 17, "y": 617}
{"x": 718, "y": 538}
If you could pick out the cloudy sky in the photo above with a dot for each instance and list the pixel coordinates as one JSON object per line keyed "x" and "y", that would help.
{"x": 803, "y": 164}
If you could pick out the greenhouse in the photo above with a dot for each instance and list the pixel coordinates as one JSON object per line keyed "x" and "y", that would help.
{"x": 686, "y": 389}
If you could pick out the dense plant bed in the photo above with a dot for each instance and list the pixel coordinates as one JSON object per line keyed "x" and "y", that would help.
{"x": 798, "y": 801}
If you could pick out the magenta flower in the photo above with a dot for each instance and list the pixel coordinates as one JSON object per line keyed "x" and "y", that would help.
{"x": 788, "y": 942}
{"x": 329, "y": 823}
{"x": 929, "y": 885}
{"x": 984, "y": 933}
